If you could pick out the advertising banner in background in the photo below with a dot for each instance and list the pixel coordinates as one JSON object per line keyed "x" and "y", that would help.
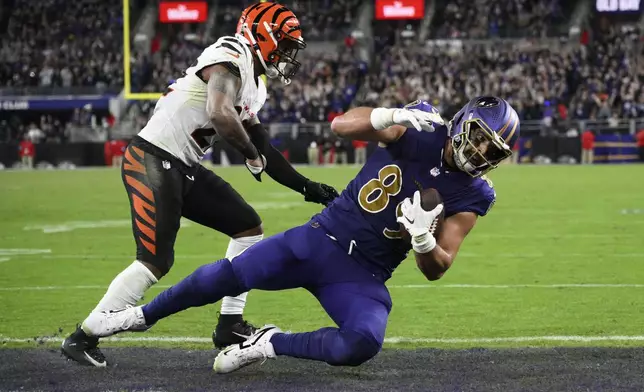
{"x": 400, "y": 9}
{"x": 183, "y": 11}
{"x": 54, "y": 102}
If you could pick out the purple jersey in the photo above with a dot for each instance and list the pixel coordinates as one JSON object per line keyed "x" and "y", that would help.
{"x": 363, "y": 219}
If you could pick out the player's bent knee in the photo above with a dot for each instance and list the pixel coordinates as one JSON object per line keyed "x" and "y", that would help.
{"x": 215, "y": 280}
{"x": 158, "y": 268}
{"x": 353, "y": 349}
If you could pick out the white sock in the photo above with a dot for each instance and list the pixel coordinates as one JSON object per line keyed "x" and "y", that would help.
{"x": 127, "y": 288}
{"x": 235, "y": 305}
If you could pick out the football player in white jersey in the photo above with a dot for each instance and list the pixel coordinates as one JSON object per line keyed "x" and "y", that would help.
{"x": 218, "y": 97}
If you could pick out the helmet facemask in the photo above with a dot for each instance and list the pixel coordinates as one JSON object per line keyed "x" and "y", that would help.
{"x": 282, "y": 59}
{"x": 280, "y": 62}
{"x": 477, "y": 149}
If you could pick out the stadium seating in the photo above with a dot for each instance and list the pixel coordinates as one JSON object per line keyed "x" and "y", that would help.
{"x": 326, "y": 84}
{"x": 448, "y": 79}
{"x": 58, "y": 45}
{"x": 540, "y": 81}
{"x": 610, "y": 75}
{"x": 175, "y": 47}
{"x": 602, "y": 78}
{"x": 228, "y": 16}
{"x": 499, "y": 18}
{"x": 324, "y": 20}
{"x": 321, "y": 20}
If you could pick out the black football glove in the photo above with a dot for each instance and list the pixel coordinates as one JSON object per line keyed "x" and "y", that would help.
{"x": 316, "y": 192}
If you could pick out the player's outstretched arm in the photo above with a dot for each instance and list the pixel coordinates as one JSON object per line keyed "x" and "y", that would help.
{"x": 380, "y": 124}
{"x": 223, "y": 87}
{"x": 282, "y": 171}
{"x": 356, "y": 125}
{"x": 436, "y": 262}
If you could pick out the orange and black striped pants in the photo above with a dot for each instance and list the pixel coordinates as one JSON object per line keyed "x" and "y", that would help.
{"x": 162, "y": 189}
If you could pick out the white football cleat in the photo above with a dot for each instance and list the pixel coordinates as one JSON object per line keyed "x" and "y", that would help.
{"x": 101, "y": 324}
{"x": 257, "y": 347}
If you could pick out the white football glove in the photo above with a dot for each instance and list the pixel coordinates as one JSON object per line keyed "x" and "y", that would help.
{"x": 414, "y": 118}
{"x": 257, "y": 171}
{"x": 382, "y": 118}
{"x": 417, "y": 222}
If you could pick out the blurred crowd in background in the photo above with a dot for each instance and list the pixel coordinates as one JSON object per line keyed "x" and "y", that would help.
{"x": 81, "y": 47}
{"x": 500, "y": 18}
{"x": 59, "y": 43}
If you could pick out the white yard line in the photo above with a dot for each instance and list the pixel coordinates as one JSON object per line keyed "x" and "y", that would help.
{"x": 216, "y": 256}
{"x": 129, "y": 257}
{"x": 519, "y": 339}
{"x": 393, "y": 286}
{"x": 22, "y": 251}
{"x": 517, "y": 286}
{"x": 558, "y": 256}
{"x": 558, "y": 235}
{"x": 83, "y": 225}
{"x": 55, "y": 288}
{"x": 390, "y": 340}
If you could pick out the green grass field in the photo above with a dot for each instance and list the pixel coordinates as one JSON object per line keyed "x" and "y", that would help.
{"x": 65, "y": 234}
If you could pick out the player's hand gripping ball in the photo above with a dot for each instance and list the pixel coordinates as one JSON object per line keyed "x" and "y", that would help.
{"x": 429, "y": 200}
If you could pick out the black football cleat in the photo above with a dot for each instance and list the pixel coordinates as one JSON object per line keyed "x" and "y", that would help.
{"x": 83, "y": 349}
{"x": 231, "y": 329}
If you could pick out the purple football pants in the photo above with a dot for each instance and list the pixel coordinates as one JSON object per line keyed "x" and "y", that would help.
{"x": 303, "y": 257}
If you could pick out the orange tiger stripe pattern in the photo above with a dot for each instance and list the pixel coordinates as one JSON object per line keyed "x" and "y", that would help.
{"x": 142, "y": 198}
{"x": 132, "y": 164}
{"x": 143, "y": 189}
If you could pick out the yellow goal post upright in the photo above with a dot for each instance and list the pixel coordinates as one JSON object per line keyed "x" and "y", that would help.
{"x": 126, "y": 61}
{"x": 127, "y": 82}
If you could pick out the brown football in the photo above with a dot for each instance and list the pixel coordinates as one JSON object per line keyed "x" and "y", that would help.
{"x": 429, "y": 199}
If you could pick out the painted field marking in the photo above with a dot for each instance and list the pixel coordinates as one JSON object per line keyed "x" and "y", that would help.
{"x": 558, "y": 255}
{"x": 393, "y": 286}
{"x": 274, "y": 205}
{"x": 558, "y": 235}
{"x": 55, "y": 288}
{"x": 76, "y": 225}
{"x": 216, "y": 256}
{"x": 281, "y": 195}
{"x": 390, "y": 340}
{"x": 23, "y": 251}
{"x": 517, "y": 286}
{"x": 519, "y": 339}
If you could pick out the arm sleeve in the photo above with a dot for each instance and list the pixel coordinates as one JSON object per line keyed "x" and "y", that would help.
{"x": 276, "y": 165}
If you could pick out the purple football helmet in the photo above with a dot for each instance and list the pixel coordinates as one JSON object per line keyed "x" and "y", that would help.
{"x": 483, "y": 133}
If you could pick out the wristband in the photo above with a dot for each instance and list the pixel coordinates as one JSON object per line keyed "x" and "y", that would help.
{"x": 382, "y": 118}
{"x": 255, "y": 169}
{"x": 423, "y": 243}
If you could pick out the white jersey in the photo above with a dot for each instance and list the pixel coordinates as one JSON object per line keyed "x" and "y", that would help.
{"x": 181, "y": 112}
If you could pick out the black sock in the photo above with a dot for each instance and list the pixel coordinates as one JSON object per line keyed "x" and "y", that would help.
{"x": 227, "y": 320}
